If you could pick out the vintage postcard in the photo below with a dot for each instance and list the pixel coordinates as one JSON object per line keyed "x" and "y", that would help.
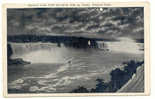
{"x": 76, "y": 49}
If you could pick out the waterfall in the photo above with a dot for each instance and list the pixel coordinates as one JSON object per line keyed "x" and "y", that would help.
{"x": 126, "y": 45}
{"x": 38, "y": 52}
{"x": 101, "y": 45}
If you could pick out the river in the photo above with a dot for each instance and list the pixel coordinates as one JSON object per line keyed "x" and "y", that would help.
{"x": 61, "y": 69}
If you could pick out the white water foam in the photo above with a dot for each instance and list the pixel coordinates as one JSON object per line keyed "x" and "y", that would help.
{"x": 125, "y": 45}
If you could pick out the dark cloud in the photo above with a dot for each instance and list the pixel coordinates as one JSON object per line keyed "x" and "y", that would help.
{"x": 97, "y": 22}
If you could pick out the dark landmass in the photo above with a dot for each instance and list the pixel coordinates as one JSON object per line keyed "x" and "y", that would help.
{"x": 48, "y": 38}
{"x": 9, "y": 51}
{"x": 70, "y": 41}
{"x": 118, "y": 79}
{"x": 17, "y": 62}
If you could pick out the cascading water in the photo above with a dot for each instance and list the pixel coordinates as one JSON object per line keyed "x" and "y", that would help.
{"x": 38, "y": 52}
{"x": 124, "y": 45}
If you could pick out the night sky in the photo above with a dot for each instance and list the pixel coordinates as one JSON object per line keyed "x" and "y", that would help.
{"x": 86, "y": 22}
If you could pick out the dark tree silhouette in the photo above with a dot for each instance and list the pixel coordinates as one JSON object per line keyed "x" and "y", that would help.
{"x": 81, "y": 89}
{"x": 100, "y": 86}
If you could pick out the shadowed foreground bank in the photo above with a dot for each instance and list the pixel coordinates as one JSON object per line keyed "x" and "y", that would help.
{"x": 118, "y": 79}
